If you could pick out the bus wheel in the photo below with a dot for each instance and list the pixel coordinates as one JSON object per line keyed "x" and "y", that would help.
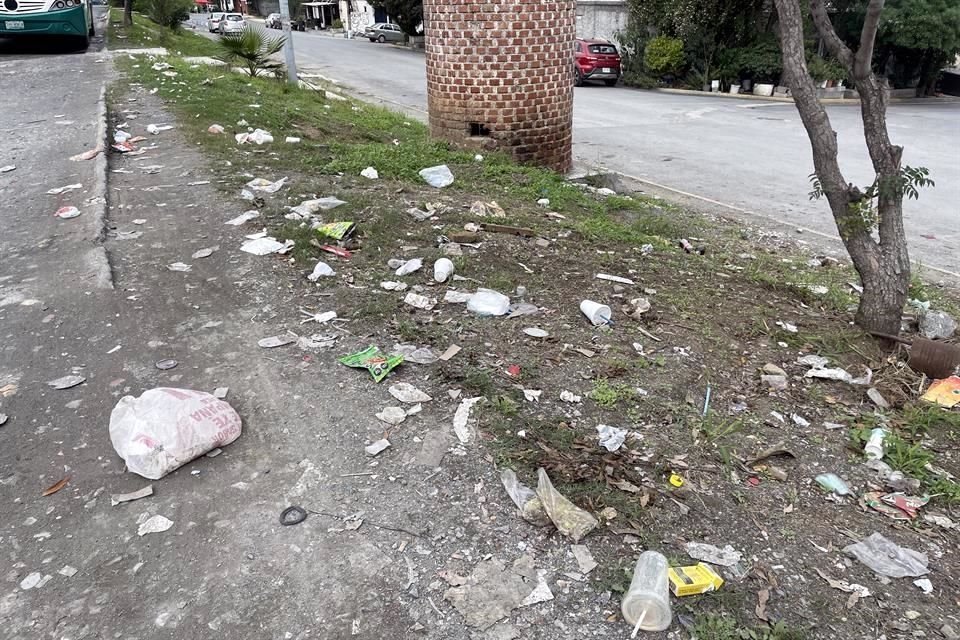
{"x": 82, "y": 42}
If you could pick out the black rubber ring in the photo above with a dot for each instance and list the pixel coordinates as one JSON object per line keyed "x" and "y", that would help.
{"x": 292, "y": 516}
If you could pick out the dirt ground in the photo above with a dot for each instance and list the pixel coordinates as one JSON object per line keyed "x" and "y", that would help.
{"x": 422, "y": 540}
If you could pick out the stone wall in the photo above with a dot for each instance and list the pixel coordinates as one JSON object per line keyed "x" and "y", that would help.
{"x": 601, "y": 18}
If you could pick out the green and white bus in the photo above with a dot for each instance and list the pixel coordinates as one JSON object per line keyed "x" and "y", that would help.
{"x": 35, "y": 19}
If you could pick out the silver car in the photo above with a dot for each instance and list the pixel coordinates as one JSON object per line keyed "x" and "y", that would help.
{"x": 384, "y": 32}
{"x": 213, "y": 22}
{"x": 232, "y": 23}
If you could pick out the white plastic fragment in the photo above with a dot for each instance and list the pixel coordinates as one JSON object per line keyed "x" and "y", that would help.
{"x": 259, "y": 136}
{"x": 264, "y": 185}
{"x": 406, "y": 392}
{"x": 569, "y": 396}
{"x": 409, "y": 267}
{"x": 120, "y": 498}
{"x": 725, "y": 557}
{"x": 274, "y": 341}
{"x": 611, "y": 438}
{"x": 418, "y": 301}
{"x": 487, "y": 302}
{"x": 392, "y": 415}
{"x": 370, "y": 173}
{"x": 263, "y": 246}
{"x": 461, "y": 419}
{"x": 246, "y": 216}
{"x": 393, "y": 286}
{"x": 438, "y": 177}
{"x": 321, "y": 270}
{"x": 179, "y": 266}
{"x": 156, "y": 524}
{"x": 377, "y": 447}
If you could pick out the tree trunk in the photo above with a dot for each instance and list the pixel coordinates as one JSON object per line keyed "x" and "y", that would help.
{"x": 884, "y": 264}
{"x": 128, "y": 13}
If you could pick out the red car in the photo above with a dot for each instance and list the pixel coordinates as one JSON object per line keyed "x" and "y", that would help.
{"x": 596, "y": 60}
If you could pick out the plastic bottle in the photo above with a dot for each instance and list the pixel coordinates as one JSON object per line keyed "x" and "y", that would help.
{"x": 442, "y": 269}
{"x": 646, "y": 605}
{"x": 874, "y": 446}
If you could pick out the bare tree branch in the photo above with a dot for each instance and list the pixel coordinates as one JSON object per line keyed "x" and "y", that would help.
{"x": 825, "y": 28}
{"x": 868, "y": 36}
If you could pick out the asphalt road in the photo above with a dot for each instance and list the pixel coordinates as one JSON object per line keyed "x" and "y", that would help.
{"x": 747, "y": 157}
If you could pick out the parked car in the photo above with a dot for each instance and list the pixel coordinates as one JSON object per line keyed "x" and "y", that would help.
{"x": 213, "y": 22}
{"x": 273, "y": 21}
{"x": 596, "y": 60}
{"x": 383, "y": 32}
{"x": 232, "y": 23}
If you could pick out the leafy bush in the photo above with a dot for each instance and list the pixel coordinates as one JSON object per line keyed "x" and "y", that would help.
{"x": 760, "y": 61}
{"x": 337, "y": 24}
{"x": 639, "y": 79}
{"x": 167, "y": 13}
{"x": 663, "y": 55}
{"x": 252, "y": 50}
{"x": 825, "y": 69}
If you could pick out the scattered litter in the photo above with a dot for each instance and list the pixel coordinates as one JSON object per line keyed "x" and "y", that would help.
{"x": 856, "y": 591}
{"x": 65, "y": 213}
{"x": 611, "y": 438}
{"x": 274, "y": 341}
{"x": 415, "y": 354}
{"x": 204, "y": 253}
{"x": 10, "y": 167}
{"x": 937, "y": 325}
{"x": 292, "y": 515}
{"x": 244, "y": 217}
{"x": 487, "y": 302}
{"x": 532, "y": 395}
{"x": 259, "y": 136}
{"x": 3, "y": 419}
{"x": 321, "y": 270}
{"x": 598, "y": 314}
{"x": 57, "y": 486}
{"x": 877, "y": 398}
{"x": 621, "y": 280}
{"x": 638, "y": 307}
{"x": 945, "y": 393}
{"x": 456, "y": 297}
{"x": 408, "y": 267}
{"x": 164, "y": 365}
{"x": 646, "y": 604}
{"x": 897, "y": 506}
{"x": 264, "y": 185}
{"x": 925, "y": 585}
{"x": 438, "y": 177}
{"x": 786, "y": 326}
{"x": 120, "y": 498}
{"x": 487, "y": 209}
{"x": 832, "y": 482}
{"x": 693, "y": 580}
{"x": 418, "y": 301}
{"x": 570, "y": 520}
{"x": 67, "y": 571}
{"x": 888, "y": 558}
{"x": 540, "y": 593}
{"x": 179, "y": 266}
{"x": 406, "y": 392}
{"x": 69, "y": 187}
{"x": 531, "y": 509}
{"x": 873, "y": 449}
{"x": 157, "y": 129}
{"x": 165, "y": 428}
{"x": 34, "y": 581}
{"x": 535, "y": 332}
{"x": 309, "y": 207}
{"x": 66, "y": 382}
{"x": 777, "y": 383}
{"x": 451, "y": 351}
{"x": 569, "y": 396}
{"x": 377, "y": 447}
{"x": 443, "y": 269}
{"x": 374, "y": 361}
{"x": 725, "y": 557}
{"x": 90, "y": 154}
{"x": 156, "y": 524}
{"x": 291, "y": 140}
{"x": 461, "y": 419}
{"x": 215, "y": 129}
{"x": 543, "y": 202}
{"x": 940, "y": 521}
{"x": 392, "y": 415}
{"x": 265, "y": 246}
{"x": 584, "y": 558}
{"x": 370, "y": 173}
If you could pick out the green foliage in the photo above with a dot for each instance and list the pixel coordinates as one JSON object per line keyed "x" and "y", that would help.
{"x": 337, "y": 24}
{"x": 761, "y": 61}
{"x": 252, "y": 49}
{"x": 663, "y": 55}
{"x": 714, "y": 627}
{"x": 168, "y": 13}
{"x": 825, "y": 68}
{"x": 406, "y": 13}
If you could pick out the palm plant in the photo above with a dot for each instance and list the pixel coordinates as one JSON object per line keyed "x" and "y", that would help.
{"x": 252, "y": 50}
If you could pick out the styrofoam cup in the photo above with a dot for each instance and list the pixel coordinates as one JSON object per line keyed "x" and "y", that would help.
{"x": 598, "y": 314}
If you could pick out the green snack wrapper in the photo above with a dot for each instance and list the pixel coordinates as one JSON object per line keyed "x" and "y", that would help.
{"x": 374, "y": 361}
{"x": 336, "y": 230}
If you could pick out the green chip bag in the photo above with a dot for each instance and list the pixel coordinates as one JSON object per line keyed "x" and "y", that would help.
{"x": 374, "y": 361}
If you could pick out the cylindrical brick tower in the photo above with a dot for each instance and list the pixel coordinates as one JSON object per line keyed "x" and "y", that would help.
{"x": 500, "y": 76}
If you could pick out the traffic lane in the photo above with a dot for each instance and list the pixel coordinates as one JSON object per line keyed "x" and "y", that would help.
{"x": 756, "y": 156}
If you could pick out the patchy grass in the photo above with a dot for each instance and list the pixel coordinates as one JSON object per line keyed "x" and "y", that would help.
{"x": 145, "y": 34}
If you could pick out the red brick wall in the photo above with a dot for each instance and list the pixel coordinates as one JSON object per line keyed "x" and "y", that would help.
{"x": 507, "y": 66}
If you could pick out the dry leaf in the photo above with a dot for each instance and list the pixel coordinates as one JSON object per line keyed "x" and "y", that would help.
{"x": 53, "y": 489}
{"x": 763, "y": 596}
{"x": 626, "y": 485}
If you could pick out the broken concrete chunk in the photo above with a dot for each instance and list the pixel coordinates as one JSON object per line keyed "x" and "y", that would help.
{"x": 490, "y": 594}
{"x": 777, "y": 383}
{"x": 377, "y": 447}
{"x": 392, "y": 415}
{"x": 937, "y": 325}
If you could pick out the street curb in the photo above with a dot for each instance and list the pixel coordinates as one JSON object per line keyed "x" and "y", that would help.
{"x": 99, "y": 261}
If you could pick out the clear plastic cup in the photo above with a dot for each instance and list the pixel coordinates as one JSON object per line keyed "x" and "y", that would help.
{"x": 647, "y": 601}
{"x": 442, "y": 269}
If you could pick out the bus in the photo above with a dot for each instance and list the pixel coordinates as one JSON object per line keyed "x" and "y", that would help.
{"x": 34, "y": 19}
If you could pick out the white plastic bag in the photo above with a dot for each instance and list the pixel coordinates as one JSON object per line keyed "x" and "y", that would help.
{"x": 487, "y": 302}
{"x": 531, "y": 509}
{"x": 166, "y": 428}
{"x": 438, "y": 177}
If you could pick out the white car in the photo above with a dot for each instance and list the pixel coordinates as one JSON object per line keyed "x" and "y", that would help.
{"x": 232, "y": 23}
{"x": 213, "y": 22}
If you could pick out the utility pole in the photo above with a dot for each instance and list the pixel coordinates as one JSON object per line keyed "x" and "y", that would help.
{"x": 288, "y": 44}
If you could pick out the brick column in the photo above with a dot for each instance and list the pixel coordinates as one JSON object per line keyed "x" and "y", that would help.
{"x": 500, "y": 76}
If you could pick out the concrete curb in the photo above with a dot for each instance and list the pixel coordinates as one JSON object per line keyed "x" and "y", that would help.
{"x": 97, "y": 257}
{"x": 786, "y": 99}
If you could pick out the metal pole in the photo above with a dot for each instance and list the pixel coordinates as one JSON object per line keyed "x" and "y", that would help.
{"x": 349, "y": 26}
{"x": 288, "y": 44}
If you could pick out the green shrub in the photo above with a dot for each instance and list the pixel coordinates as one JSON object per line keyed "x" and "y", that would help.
{"x": 663, "y": 55}
{"x": 639, "y": 79}
{"x": 167, "y": 13}
{"x": 337, "y": 24}
{"x": 760, "y": 61}
{"x": 251, "y": 49}
{"x": 825, "y": 69}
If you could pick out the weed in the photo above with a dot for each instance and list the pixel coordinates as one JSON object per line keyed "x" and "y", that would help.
{"x": 478, "y": 381}
{"x": 505, "y": 405}
{"x": 608, "y": 395}
{"x": 715, "y": 427}
{"x": 714, "y": 627}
